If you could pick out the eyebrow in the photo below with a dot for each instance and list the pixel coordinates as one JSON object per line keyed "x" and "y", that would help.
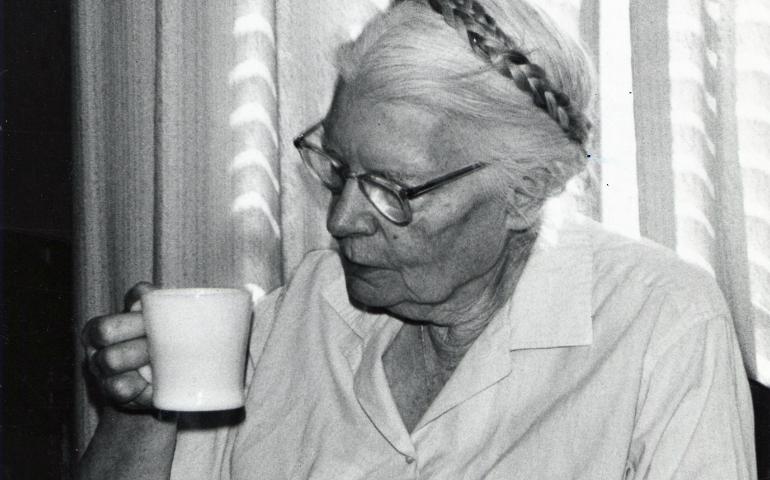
{"x": 393, "y": 176}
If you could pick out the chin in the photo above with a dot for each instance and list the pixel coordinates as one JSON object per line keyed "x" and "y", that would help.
{"x": 369, "y": 294}
{"x": 371, "y": 286}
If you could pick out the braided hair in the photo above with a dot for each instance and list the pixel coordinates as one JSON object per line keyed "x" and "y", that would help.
{"x": 512, "y": 89}
{"x": 490, "y": 43}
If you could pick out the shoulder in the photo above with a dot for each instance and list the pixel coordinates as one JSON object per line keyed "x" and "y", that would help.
{"x": 319, "y": 271}
{"x": 317, "y": 266}
{"x": 645, "y": 294}
{"x": 659, "y": 312}
{"x": 644, "y": 273}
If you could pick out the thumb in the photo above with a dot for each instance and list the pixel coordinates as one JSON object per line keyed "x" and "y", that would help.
{"x": 131, "y": 302}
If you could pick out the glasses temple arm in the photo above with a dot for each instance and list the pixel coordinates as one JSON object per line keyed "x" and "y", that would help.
{"x": 413, "y": 192}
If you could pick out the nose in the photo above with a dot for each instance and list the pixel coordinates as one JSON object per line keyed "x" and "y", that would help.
{"x": 351, "y": 213}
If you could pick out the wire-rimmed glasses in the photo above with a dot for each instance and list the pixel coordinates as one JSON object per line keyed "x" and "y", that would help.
{"x": 389, "y": 197}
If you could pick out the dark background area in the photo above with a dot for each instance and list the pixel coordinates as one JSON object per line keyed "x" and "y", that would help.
{"x": 761, "y": 396}
{"x": 37, "y": 337}
{"x": 37, "y": 347}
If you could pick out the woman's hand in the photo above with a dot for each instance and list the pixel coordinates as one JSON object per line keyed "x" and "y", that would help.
{"x": 118, "y": 354}
{"x": 126, "y": 444}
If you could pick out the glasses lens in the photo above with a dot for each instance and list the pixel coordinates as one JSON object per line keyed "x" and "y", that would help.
{"x": 387, "y": 201}
{"x": 325, "y": 169}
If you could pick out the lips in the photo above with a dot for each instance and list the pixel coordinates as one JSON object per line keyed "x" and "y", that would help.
{"x": 352, "y": 257}
{"x": 349, "y": 264}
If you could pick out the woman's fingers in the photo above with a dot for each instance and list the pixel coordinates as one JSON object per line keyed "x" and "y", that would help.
{"x": 146, "y": 373}
{"x": 118, "y": 352}
{"x": 120, "y": 358}
{"x": 128, "y": 389}
{"x": 108, "y": 330}
{"x": 118, "y": 370}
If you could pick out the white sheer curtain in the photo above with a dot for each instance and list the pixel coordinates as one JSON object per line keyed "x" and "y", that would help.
{"x": 185, "y": 112}
{"x": 701, "y": 84}
{"x": 752, "y": 174}
{"x": 185, "y": 174}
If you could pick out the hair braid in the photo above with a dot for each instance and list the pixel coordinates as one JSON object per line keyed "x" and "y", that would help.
{"x": 489, "y": 42}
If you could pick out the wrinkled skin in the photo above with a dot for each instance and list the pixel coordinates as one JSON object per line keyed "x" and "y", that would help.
{"x": 449, "y": 258}
{"x": 449, "y": 268}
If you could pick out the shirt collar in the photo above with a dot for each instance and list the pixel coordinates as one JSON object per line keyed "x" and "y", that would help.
{"x": 360, "y": 321}
{"x": 551, "y": 306}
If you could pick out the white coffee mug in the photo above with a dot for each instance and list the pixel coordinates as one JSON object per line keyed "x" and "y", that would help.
{"x": 198, "y": 341}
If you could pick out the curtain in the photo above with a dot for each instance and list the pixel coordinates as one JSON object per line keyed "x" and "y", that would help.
{"x": 701, "y": 86}
{"x": 185, "y": 172}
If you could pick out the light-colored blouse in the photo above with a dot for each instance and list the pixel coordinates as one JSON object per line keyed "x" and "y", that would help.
{"x": 612, "y": 360}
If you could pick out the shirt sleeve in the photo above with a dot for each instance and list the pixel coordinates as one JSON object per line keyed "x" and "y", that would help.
{"x": 694, "y": 417}
{"x": 202, "y": 451}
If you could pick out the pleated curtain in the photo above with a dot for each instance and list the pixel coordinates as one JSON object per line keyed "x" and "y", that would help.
{"x": 185, "y": 173}
{"x": 701, "y": 83}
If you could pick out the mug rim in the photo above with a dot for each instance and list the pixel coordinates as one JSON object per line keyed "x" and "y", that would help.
{"x": 195, "y": 291}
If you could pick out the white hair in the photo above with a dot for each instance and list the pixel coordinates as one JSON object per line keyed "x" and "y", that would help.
{"x": 410, "y": 54}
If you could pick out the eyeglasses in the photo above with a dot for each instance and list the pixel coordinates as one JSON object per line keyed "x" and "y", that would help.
{"x": 389, "y": 197}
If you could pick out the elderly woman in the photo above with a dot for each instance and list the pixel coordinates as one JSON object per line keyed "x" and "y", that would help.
{"x": 462, "y": 330}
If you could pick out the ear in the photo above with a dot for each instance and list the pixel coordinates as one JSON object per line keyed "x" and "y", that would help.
{"x": 523, "y": 211}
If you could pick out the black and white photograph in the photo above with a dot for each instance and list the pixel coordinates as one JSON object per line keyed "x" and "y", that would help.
{"x": 385, "y": 239}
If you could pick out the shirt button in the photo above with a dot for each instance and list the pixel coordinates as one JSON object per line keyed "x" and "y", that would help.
{"x": 409, "y": 460}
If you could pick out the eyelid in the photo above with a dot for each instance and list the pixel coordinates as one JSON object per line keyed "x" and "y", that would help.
{"x": 328, "y": 149}
{"x": 389, "y": 177}
{"x": 337, "y": 157}
{"x": 331, "y": 152}
{"x": 327, "y": 146}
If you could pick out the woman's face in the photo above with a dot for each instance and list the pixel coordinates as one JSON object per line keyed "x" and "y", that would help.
{"x": 448, "y": 254}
